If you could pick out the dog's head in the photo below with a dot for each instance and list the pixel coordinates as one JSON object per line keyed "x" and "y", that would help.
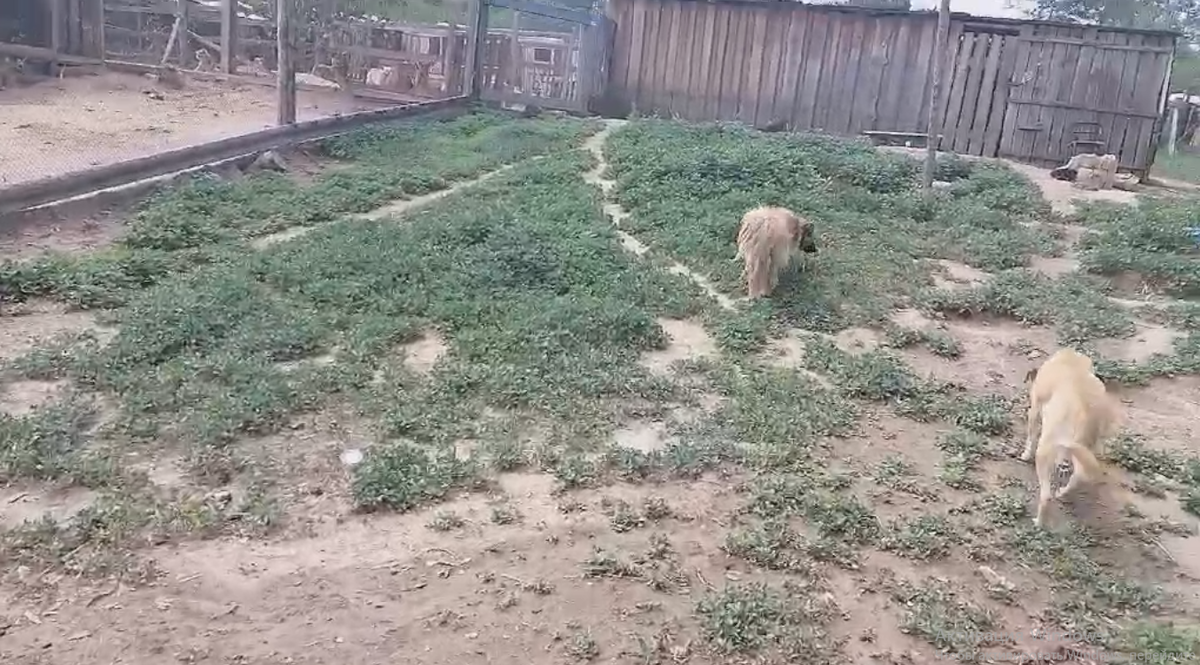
{"x": 804, "y": 237}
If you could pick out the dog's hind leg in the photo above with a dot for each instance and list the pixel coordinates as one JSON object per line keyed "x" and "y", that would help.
{"x": 1047, "y": 460}
{"x": 1031, "y": 427}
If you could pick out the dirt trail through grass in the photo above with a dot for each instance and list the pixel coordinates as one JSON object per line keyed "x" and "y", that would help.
{"x": 617, "y": 214}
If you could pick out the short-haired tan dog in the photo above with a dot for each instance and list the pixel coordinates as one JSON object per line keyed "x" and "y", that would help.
{"x": 767, "y": 240}
{"x": 1076, "y": 413}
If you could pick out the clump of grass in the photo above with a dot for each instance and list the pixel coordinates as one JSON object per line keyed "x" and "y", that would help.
{"x": 1168, "y": 642}
{"x": 895, "y": 472}
{"x": 962, "y": 451}
{"x": 771, "y": 544}
{"x": 1075, "y": 305}
{"x": 924, "y": 538}
{"x": 51, "y": 443}
{"x": 1150, "y": 239}
{"x": 834, "y": 516}
{"x": 934, "y": 612}
{"x": 401, "y": 477}
{"x": 755, "y": 618}
{"x": 938, "y": 342}
{"x": 446, "y": 520}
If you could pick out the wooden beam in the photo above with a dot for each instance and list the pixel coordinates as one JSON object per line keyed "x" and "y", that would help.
{"x": 286, "y": 62}
{"x": 46, "y": 55}
{"x": 933, "y": 127}
{"x": 229, "y": 34}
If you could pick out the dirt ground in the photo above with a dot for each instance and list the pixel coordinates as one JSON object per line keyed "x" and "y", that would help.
{"x": 58, "y": 126}
{"x": 338, "y": 587}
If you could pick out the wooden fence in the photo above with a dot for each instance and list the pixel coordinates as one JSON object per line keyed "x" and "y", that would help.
{"x": 1030, "y": 91}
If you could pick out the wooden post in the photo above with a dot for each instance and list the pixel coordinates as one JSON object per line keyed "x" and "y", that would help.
{"x": 516, "y": 79}
{"x": 229, "y": 34}
{"x": 477, "y": 27}
{"x": 185, "y": 42}
{"x": 933, "y": 127}
{"x": 284, "y": 10}
{"x": 57, "y": 19}
{"x": 1173, "y": 134}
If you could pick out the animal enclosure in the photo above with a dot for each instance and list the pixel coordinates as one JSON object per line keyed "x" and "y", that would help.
{"x": 1030, "y": 91}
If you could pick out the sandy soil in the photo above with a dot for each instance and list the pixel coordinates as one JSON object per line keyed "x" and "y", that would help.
{"x": 62, "y": 125}
{"x": 340, "y": 588}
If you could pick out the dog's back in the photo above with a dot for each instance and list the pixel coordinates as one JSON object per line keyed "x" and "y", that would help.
{"x": 1068, "y": 380}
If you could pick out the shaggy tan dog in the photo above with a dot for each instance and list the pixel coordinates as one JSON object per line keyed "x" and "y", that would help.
{"x": 1076, "y": 414}
{"x": 767, "y": 240}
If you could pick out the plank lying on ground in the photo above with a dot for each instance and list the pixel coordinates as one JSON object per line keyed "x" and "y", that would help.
{"x": 46, "y": 55}
{"x": 56, "y": 188}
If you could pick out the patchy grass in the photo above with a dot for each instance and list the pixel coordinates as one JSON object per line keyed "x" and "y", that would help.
{"x": 1151, "y": 240}
{"x": 542, "y": 321}
{"x": 688, "y": 186}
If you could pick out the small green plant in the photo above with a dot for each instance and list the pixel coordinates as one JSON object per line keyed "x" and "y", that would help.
{"x": 446, "y": 521}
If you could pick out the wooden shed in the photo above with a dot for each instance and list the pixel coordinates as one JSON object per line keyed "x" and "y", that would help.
{"x": 1032, "y": 91}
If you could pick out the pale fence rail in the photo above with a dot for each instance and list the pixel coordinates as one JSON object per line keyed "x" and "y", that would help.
{"x": 1031, "y": 91}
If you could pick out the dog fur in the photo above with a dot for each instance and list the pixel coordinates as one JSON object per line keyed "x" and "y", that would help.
{"x": 767, "y": 240}
{"x": 1076, "y": 414}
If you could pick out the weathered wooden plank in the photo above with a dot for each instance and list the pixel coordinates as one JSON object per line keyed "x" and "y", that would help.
{"x": 848, "y": 96}
{"x": 809, "y": 68}
{"x": 653, "y": 82}
{"x": 794, "y": 39}
{"x": 953, "y": 43}
{"x": 956, "y": 78}
{"x": 1000, "y": 89}
{"x": 887, "y": 113}
{"x": 973, "y": 97}
{"x": 719, "y": 45}
{"x": 759, "y": 44}
{"x": 832, "y": 64}
{"x": 882, "y": 44}
{"x": 774, "y": 60}
{"x": 1151, "y": 71}
{"x": 733, "y": 72}
{"x": 633, "y": 80}
{"x": 1051, "y": 118}
{"x": 916, "y": 110}
{"x": 697, "y": 49}
{"x": 1009, "y": 135}
{"x": 986, "y": 96}
{"x": 680, "y": 32}
{"x": 705, "y": 56}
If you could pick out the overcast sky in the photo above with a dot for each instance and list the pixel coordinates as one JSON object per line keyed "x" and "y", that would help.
{"x": 1007, "y": 8}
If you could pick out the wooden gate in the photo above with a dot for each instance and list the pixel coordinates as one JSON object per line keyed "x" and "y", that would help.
{"x": 979, "y": 63}
{"x": 1085, "y": 89}
{"x": 562, "y": 69}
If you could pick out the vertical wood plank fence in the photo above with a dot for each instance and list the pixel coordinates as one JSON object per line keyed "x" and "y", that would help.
{"x": 1032, "y": 91}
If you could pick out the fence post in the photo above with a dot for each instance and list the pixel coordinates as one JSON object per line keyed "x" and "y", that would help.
{"x": 477, "y": 26}
{"x": 185, "y": 40}
{"x": 285, "y": 62}
{"x": 933, "y": 127}
{"x": 229, "y": 29}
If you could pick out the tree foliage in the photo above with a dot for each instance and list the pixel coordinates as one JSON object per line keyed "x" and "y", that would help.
{"x": 1180, "y": 15}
